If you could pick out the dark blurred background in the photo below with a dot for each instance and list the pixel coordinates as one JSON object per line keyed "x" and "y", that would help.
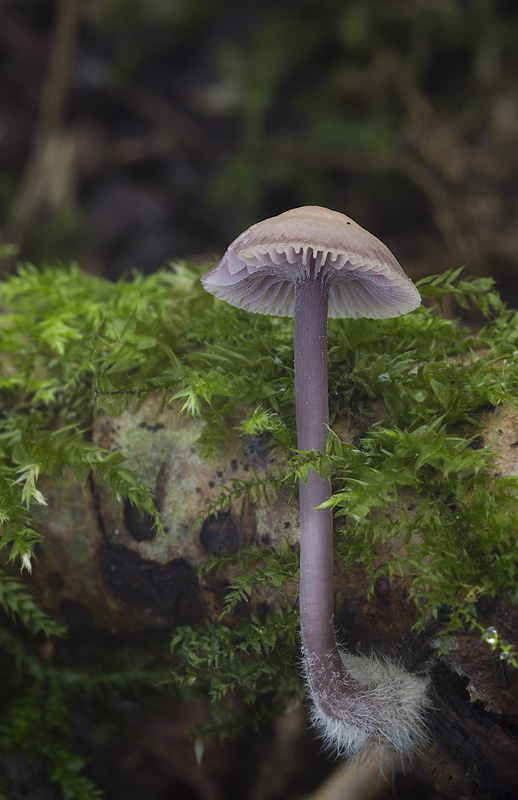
{"x": 135, "y": 132}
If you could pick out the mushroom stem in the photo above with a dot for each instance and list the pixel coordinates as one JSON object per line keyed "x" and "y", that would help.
{"x": 355, "y": 699}
{"x": 316, "y": 527}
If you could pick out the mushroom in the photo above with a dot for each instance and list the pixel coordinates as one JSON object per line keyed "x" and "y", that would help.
{"x": 309, "y": 263}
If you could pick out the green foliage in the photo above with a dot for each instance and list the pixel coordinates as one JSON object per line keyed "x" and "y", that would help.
{"x": 71, "y": 344}
{"x": 20, "y": 606}
{"x": 254, "y": 655}
{"x": 433, "y": 381}
{"x": 270, "y": 485}
{"x": 40, "y": 693}
{"x": 258, "y": 568}
{"x": 262, "y": 421}
{"x": 255, "y": 658}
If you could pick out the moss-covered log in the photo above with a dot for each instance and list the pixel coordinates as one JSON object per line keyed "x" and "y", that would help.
{"x": 105, "y": 570}
{"x": 149, "y": 478}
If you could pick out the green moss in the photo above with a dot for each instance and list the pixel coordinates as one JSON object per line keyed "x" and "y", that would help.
{"x": 71, "y": 343}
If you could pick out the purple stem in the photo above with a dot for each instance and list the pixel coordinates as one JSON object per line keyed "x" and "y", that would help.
{"x": 321, "y": 653}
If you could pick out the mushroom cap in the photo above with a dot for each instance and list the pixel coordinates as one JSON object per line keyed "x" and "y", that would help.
{"x": 261, "y": 267}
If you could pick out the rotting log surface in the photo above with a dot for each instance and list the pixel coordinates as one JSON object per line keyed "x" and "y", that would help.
{"x": 105, "y": 572}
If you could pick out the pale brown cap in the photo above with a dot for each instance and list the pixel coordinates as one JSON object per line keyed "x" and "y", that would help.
{"x": 260, "y": 268}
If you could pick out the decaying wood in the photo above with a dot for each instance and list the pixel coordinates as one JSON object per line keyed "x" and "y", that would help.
{"x": 105, "y": 570}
